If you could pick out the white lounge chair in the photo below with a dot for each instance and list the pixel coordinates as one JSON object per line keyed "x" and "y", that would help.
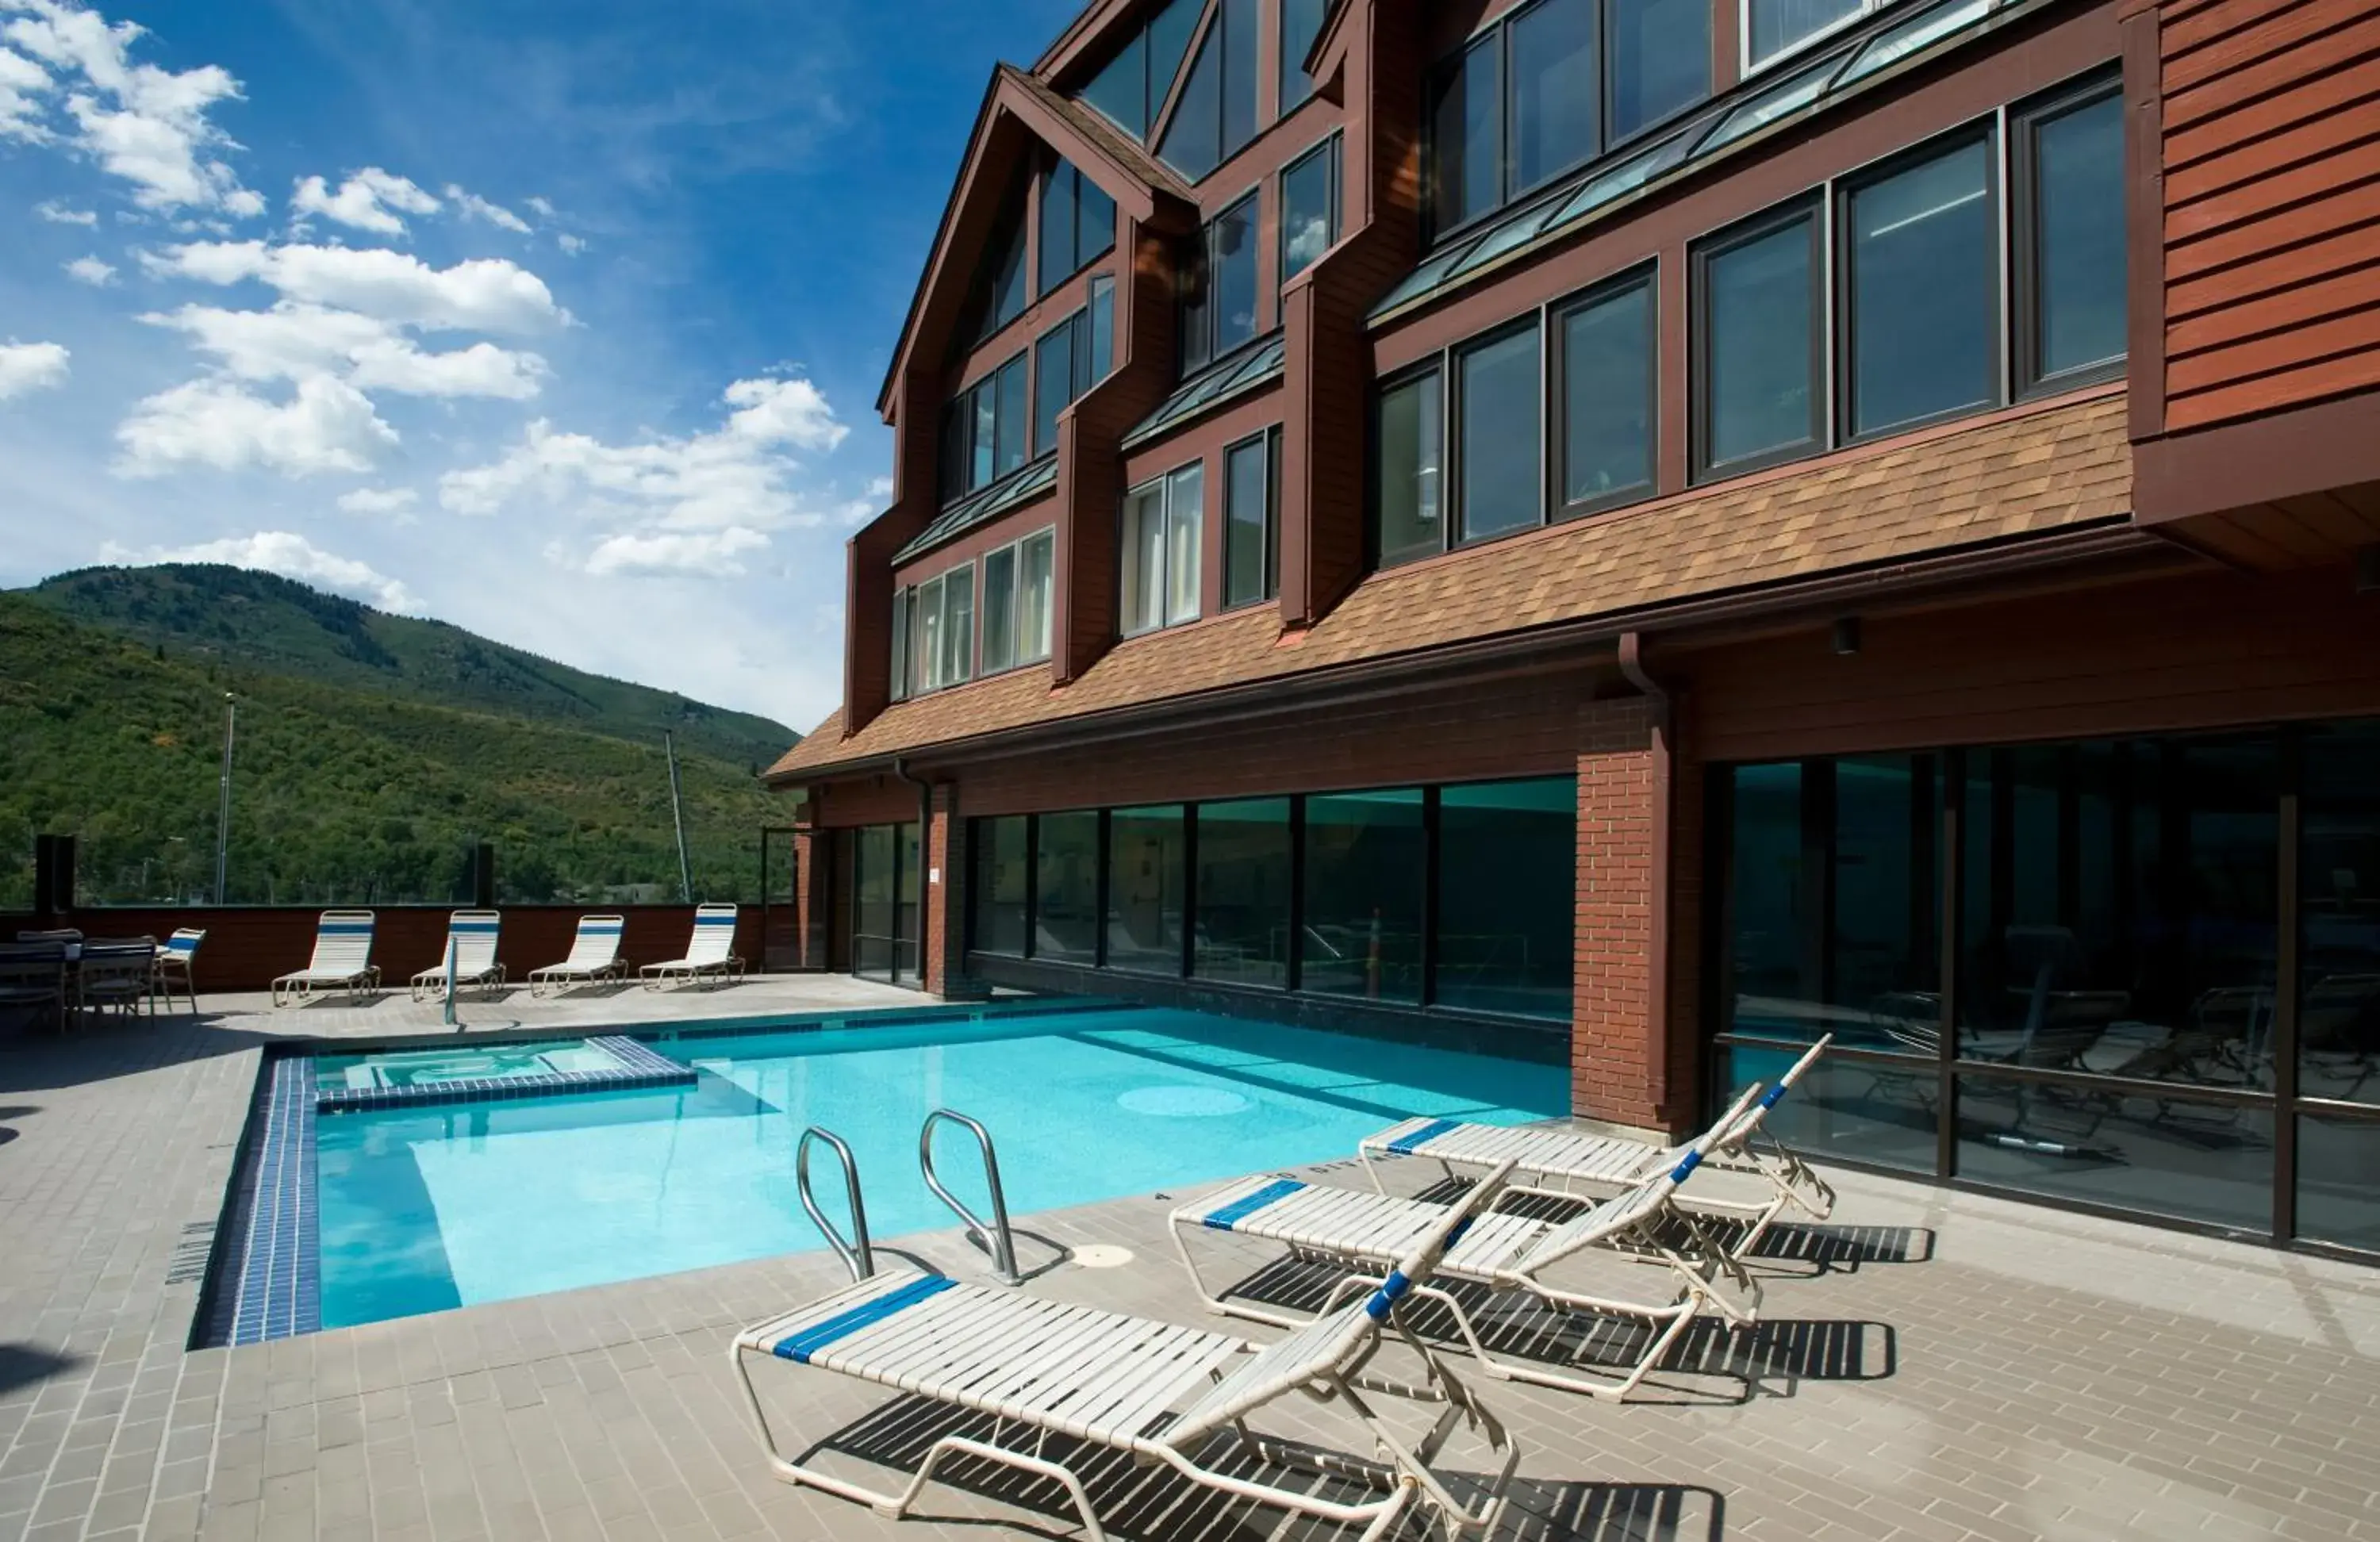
{"x": 1162, "y": 1392}
{"x": 594, "y": 956}
{"x": 472, "y": 936}
{"x": 342, "y": 961}
{"x": 1567, "y": 1162}
{"x": 710, "y": 955}
{"x": 1368, "y": 1232}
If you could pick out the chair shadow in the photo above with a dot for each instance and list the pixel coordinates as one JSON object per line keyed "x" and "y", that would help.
{"x": 23, "y": 1365}
{"x": 1156, "y": 1504}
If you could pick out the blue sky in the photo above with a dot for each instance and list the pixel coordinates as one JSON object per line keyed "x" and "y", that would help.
{"x": 562, "y": 323}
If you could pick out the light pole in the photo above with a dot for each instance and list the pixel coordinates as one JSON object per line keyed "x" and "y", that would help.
{"x": 223, "y": 808}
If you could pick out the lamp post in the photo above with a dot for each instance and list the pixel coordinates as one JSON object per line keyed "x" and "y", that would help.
{"x": 222, "y": 806}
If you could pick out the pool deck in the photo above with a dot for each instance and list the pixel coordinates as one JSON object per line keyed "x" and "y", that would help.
{"x": 1932, "y": 1366}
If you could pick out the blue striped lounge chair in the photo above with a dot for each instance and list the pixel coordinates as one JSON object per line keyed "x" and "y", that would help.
{"x": 1182, "y": 1398}
{"x": 1566, "y": 1161}
{"x": 710, "y": 955}
{"x": 342, "y": 961}
{"x": 1549, "y": 1263}
{"x": 471, "y": 934}
{"x": 594, "y": 957}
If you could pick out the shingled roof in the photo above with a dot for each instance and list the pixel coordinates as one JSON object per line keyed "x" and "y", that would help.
{"x": 2021, "y": 474}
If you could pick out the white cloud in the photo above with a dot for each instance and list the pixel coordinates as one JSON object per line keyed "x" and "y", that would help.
{"x": 326, "y": 425}
{"x": 21, "y": 82}
{"x": 59, "y": 213}
{"x": 570, "y": 244}
{"x": 301, "y": 342}
{"x": 292, "y": 556}
{"x": 378, "y": 499}
{"x": 368, "y": 200}
{"x": 474, "y": 207}
{"x": 708, "y": 554}
{"x": 30, "y": 367}
{"x": 91, "y": 271}
{"x": 144, "y": 125}
{"x": 484, "y": 295}
{"x": 540, "y": 207}
{"x": 879, "y": 487}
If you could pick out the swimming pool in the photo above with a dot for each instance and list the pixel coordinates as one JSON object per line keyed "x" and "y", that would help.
{"x": 420, "y": 1208}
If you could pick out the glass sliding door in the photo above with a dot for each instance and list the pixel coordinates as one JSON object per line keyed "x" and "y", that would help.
{"x": 1146, "y": 855}
{"x": 884, "y": 881}
{"x": 2337, "y": 1060}
{"x": 1508, "y": 854}
{"x": 1243, "y": 889}
{"x": 1365, "y": 876}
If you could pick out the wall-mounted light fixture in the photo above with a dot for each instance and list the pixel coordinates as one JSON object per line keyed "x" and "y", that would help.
{"x": 1847, "y": 636}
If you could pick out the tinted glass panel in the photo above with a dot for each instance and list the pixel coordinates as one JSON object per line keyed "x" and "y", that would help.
{"x": 1507, "y": 896}
{"x": 1868, "y": 1110}
{"x": 1095, "y": 222}
{"x": 874, "y": 877}
{"x": 1308, "y": 210}
{"x": 1011, "y": 419}
{"x": 1102, "y": 325}
{"x": 1053, "y": 384}
{"x": 1244, "y": 881}
{"x": 1660, "y": 60}
{"x": 1364, "y": 877}
{"x": 1498, "y": 388}
{"x": 1057, "y": 257}
{"x": 1554, "y": 88}
{"x": 1466, "y": 157}
{"x": 1924, "y": 282}
{"x": 1776, "y": 24}
{"x": 1193, "y": 143}
{"x": 1247, "y": 522}
{"x": 1007, "y": 277}
{"x": 1033, "y": 598}
{"x": 2338, "y": 905}
{"x": 1300, "y": 20}
{"x": 2338, "y": 1182}
{"x": 1145, "y": 861}
{"x": 985, "y": 445}
{"x": 2197, "y": 1162}
{"x": 1120, "y": 90}
{"x": 929, "y": 603}
{"x": 1759, "y": 393}
{"x": 2079, "y": 236}
{"x": 1185, "y": 506}
{"x": 958, "y": 624}
{"x": 1240, "y": 22}
{"x": 1001, "y": 872}
{"x": 999, "y": 609}
{"x": 1144, "y": 559}
{"x": 1231, "y": 276}
{"x": 1608, "y": 397}
{"x": 1067, "y": 886}
{"x": 1169, "y": 39}
{"x": 1408, "y": 473}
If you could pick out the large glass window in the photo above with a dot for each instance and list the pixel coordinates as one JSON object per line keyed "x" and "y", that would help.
{"x": 1309, "y": 208}
{"x": 926, "y": 635}
{"x": 1660, "y": 63}
{"x": 1217, "y": 113}
{"x": 1922, "y": 281}
{"x": 999, "y": 610}
{"x": 1608, "y": 382}
{"x": 985, "y": 432}
{"x": 1301, "y": 22}
{"x": 1078, "y": 224}
{"x": 1000, "y": 884}
{"x": 1364, "y": 876}
{"x": 2069, "y": 156}
{"x": 1408, "y": 446}
{"x": 1219, "y": 304}
{"x": 1554, "y": 80}
{"x": 1067, "y": 886}
{"x": 1774, "y": 27}
{"x": 1497, "y": 387}
{"x": 899, "y": 672}
{"x": 1757, "y": 394}
{"x": 1033, "y": 567}
{"x": 2339, "y": 911}
{"x": 2197, "y": 1162}
{"x": 1001, "y": 281}
{"x": 1148, "y": 855}
{"x": 1506, "y": 895}
{"x": 1068, "y": 360}
{"x": 1161, "y": 526}
{"x": 1016, "y": 602}
{"x": 1466, "y": 120}
{"x": 1250, "y": 567}
{"x": 1244, "y": 858}
{"x": 1097, "y": 335}
{"x": 939, "y": 649}
{"x": 958, "y": 624}
{"x": 1134, "y": 85}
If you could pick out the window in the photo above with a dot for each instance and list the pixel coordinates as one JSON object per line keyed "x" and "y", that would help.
{"x": 1251, "y": 474}
{"x": 1772, "y": 28}
{"x": 1301, "y": 22}
{"x": 1217, "y": 113}
{"x": 1607, "y": 379}
{"x": 1551, "y": 86}
{"x": 1146, "y": 856}
{"x": 1000, "y": 884}
{"x": 1762, "y": 352}
{"x": 1219, "y": 306}
{"x": 1245, "y": 861}
{"x": 1134, "y": 84}
{"x": 999, "y": 294}
{"x": 899, "y": 672}
{"x": 958, "y": 624}
{"x": 1507, "y": 856}
{"x": 1309, "y": 208}
{"x": 934, "y": 634}
{"x": 1067, "y": 886}
{"x": 1100, "y": 330}
{"x": 1016, "y": 602}
{"x": 984, "y": 430}
{"x": 2068, "y": 159}
{"x": 1497, "y": 387}
{"x": 1409, "y": 458}
{"x": 1921, "y": 291}
{"x": 1068, "y": 360}
{"x": 1077, "y": 225}
{"x": 1365, "y": 860}
{"x": 1161, "y": 550}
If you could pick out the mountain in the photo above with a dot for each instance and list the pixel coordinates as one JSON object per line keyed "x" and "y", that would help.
{"x": 371, "y": 752}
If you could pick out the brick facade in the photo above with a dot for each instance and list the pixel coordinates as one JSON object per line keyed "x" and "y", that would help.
{"x": 1617, "y": 1073}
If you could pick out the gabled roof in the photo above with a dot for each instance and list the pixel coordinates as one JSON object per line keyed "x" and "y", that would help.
{"x": 1123, "y": 170}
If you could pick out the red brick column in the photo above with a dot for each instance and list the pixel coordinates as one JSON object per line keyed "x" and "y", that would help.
{"x": 1617, "y": 1061}
{"x": 946, "y": 899}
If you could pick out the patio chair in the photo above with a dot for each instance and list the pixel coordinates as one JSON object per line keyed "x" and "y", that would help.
{"x": 471, "y": 934}
{"x": 176, "y": 963}
{"x": 1564, "y": 1161}
{"x": 342, "y": 961}
{"x": 1367, "y": 1233}
{"x": 33, "y": 974}
{"x": 67, "y": 935}
{"x": 594, "y": 957}
{"x": 710, "y": 955}
{"x": 1165, "y": 1394}
{"x": 116, "y": 972}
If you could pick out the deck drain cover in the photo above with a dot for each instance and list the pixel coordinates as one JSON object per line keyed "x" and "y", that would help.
{"x": 1183, "y": 1102}
{"x": 1102, "y": 1255}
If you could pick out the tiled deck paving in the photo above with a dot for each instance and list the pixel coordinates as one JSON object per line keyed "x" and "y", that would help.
{"x": 2025, "y": 1374}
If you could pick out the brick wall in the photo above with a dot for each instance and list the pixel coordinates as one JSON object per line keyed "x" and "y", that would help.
{"x": 1618, "y": 1072}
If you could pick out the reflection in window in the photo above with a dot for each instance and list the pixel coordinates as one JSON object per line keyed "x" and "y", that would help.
{"x": 1098, "y": 334}
{"x": 1406, "y": 479}
{"x": 1506, "y": 890}
{"x": 1309, "y": 208}
{"x": 1217, "y": 113}
{"x": 1053, "y": 383}
{"x": 1301, "y": 20}
{"x": 1867, "y": 1111}
{"x": 1497, "y": 387}
{"x": 2337, "y": 1158}
{"x": 1554, "y": 108}
{"x": 1218, "y": 309}
{"x": 1161, "y": 525}
{"x": 1078, "y": 224}
{"x": 1771, "y": 27}
{"x": 1466, "y": 154}
{"x": 1925, "y": 291}
{"x": 1248, "y": 522}
{"x": 1660, "y": 60}
{"x": 2077, "y": 173}
{"x": 1067, "y": 886}
{"x": 1607, "y": 398}
{"x": 1136, "y": 82}
{"x": 1146, "y": 854}
{"x": 1003, "y": 868}
{"x": 984, "y": 431}
{"x": 1758, "y": 392}
{"x": 2339, "y": 905}
{"x": 1363, "y": 881}
{"x": 1243, "y": 889}
{"x": 2204, "y": 1163}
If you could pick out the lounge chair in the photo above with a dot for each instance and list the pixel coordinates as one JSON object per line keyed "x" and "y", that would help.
{"x": 472, "y": 936}
{"x": 710, "y": 955}
{"x": 342, "y": 961}
{"x": 116, "y": 972}
{"x": 594, "y": 956}
{"x": 1367, "y": 1233}
{"x": 175, "y": 964}
{"x": 1161, "y": 1392}
{"x": 33, "y": 974}
{"x": 1565, "y": 1162}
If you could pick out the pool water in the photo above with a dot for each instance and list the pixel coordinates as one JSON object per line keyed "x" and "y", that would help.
{"x": 431, "y": 1067}
{"x": 424, "y": 1208}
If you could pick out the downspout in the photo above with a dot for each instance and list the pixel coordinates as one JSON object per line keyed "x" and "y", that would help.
{"x": 925, "y": 854}
{"x": 1660, "y": 712}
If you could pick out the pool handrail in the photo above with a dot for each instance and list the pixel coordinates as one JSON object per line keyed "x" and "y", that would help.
{"x": 856, "y": 1254}
{"x": 994, "y": 1238}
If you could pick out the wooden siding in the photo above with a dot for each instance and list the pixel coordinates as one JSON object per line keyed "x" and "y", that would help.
{"x": 2271, "y": 206}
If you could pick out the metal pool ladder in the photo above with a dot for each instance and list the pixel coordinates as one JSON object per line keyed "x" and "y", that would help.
{"x": 855, "y": 1254}
{"x": 994, "y": 1238}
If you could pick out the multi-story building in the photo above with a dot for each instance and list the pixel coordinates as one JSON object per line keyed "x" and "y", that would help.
{"x": 1640, "y": 531}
